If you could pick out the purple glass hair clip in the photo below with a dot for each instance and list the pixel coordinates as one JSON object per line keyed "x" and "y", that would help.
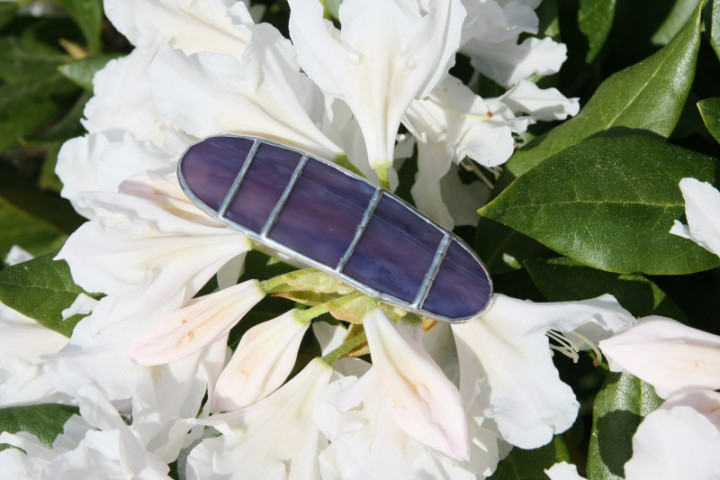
{"x": 318, "y": 213}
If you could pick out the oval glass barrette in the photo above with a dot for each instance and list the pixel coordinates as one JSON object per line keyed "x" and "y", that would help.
{"x": 324, "y": 216}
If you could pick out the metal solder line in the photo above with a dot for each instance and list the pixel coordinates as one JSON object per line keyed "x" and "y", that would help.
{"x": 374, "y": 201}
{"x": 239, "y": 178}
{"x": 283, "y": 198}
{"x": 432, "y": 272}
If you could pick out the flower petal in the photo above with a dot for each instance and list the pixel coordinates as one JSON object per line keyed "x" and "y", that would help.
{"x": 507, "y": 346}
{"x": 425, "y": 404}
{"x": 204, "y": 320}
{"x": 675, "y": 443}
{"x": 377, "y": 63}
{"x": 261, "y": 363}
{"x": 667, "y": 354}
{"x": 702, "y": 202}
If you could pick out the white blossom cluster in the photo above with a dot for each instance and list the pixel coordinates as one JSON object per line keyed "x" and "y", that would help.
{"x": 150, "y": 369}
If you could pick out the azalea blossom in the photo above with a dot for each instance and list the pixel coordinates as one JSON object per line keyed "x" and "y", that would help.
{"x": 378, "y": 63}
{"x": 505, "y": 352}
{"x": 97, "y": 443}
{"x": 683, "y": 364}
{"x": 273, "y": 438}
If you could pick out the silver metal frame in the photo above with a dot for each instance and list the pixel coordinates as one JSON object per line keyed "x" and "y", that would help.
{"x": 263, "y": 238}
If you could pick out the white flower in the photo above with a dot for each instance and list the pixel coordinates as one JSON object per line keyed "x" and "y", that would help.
{"x": 490, "y": 38}
{"x": 98, "y": 445}
{"x": 505, "y": 351}
{"x": 679, "y": 440}
{"x": 422, "y": 401}
{"x": 386, "y": 55}
{"x": 683, "y": 364}
{"x": 366, "y": 441}
{"x": 274, "y": 438}
{"x": 563, "y": 471}
{"x": 263, "y": 93}
{"x": 23, "y": 341}
{"x": 702, "y": 204}
{"x": 261, "y": 363}
{"x": 210, "y": 25}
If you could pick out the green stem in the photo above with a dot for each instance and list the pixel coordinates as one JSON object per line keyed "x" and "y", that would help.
{"x": 353, "y": 343}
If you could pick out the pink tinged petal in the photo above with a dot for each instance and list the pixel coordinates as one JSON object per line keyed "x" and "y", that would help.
{"x": 543, "y": 104}
{"x": 706, "y": 402}
{"x": 667, "y": 354}
{"x": 261, "y": 363}
{"x": 673, "y": 443}
{"x": 378, "y": 63}
{"x": 507, "y": 346}
{"x": 425, "y": 404}
{"x": 702, "y": 202}
{"x": 268, "y": 95}
{"x": 187, "y": 25}
{"x": 273, "y": 438}
{"x": 189, "y": 329}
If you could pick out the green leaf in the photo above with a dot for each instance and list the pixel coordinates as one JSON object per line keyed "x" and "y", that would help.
{"x": 595, "y": 19}
{"x": 41, "y": 289}
{"x": 561, "y": 279}
{"x": 43, "y": 207}
{"x": 502, "y": 249}
{"x": 715, "y": 27}
{"x": 710, "y": 113}
{"x": 647, "y": 96}
{"x": 44, "y": 421}
{"x": 609, "y": 203}
{"x": 619, "y": 408}
{"x": 679, "y": 15}
{"x": 27, "y": 58}
{"x": 81, "y": 72}
{"x": 529, "y": 464}
{"x": 25, "y": 107}
{"x": 36, "y": 238}
{"x": 88, "y": 15}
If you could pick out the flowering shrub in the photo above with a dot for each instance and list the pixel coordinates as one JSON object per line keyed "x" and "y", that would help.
{"x": 144, "y": 337}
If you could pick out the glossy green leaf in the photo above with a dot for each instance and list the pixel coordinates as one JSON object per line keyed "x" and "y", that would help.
{"x": 42, "y": 207}
{"x": 81, "y": 72}
{"x": 715, "y": 27}
{"x": 710, "y": 113}
{"x": 36, "y": 238}
{"x": 595, "y": 19}
{"x": 529, "y": 464}
{"x": 88, "y": 15}
{"x": 609, "y": 203}
{"x": 44, "y": 421}
{"x": 650, "y": 96}
{"x": 681, "y": 12}
{"x": 41, "y": 289}
{"x": 503, "y": 249}
{"x": 619, "y": 407}
{"x": 561, "y": 279}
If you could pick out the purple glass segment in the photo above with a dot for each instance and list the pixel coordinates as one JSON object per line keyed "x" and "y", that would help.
{"x": 395, "y": 252}
{"x": 209, "y": 167}
{"x": 461, "y": 288}
{"x": 322, "y": 213}
{"x": 262, "y": 186}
